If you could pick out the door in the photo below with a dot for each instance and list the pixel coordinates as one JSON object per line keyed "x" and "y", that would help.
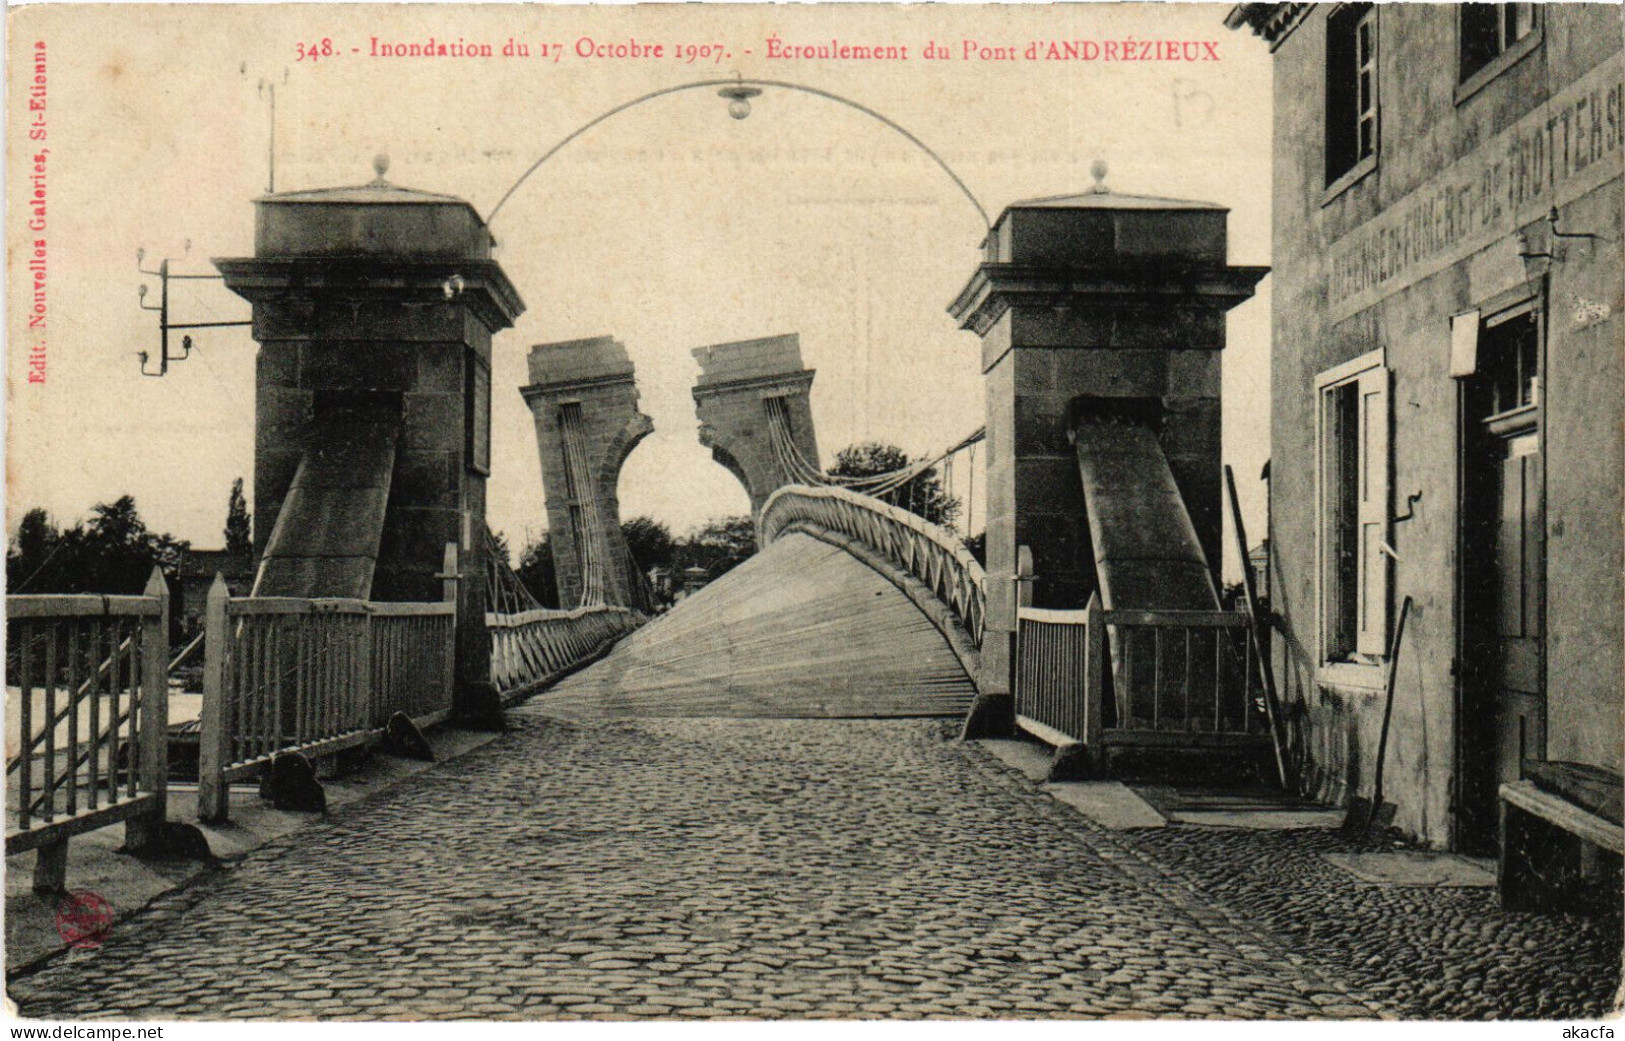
{"x": 1503, "y": 553}
{"x": 1518, "y": 703}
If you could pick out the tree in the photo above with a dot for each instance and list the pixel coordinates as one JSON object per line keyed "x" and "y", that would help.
{"x": 32, "y": 553}
{"x": 500, "y": 547}
{"x": 113, "y": 552}
{"x": 118, "y": 552}
{"x": 239, "y": 531}
{"x": 718, "y": 546}
{"x": 922, "y": 494}
{"x": 649, "y": 542}
{"x": 649, "y": 545}
{"x": 535, "y": 570}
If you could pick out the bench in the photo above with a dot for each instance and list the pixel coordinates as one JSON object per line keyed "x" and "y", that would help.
{"x": 1562, "y": 840}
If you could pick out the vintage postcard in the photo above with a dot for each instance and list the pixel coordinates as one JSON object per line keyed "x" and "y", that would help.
{"x": 814, "y": 512}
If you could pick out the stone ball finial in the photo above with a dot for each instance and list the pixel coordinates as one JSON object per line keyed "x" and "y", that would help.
{"x": 380, "y": 165}
{"x": 1097, "y": 170}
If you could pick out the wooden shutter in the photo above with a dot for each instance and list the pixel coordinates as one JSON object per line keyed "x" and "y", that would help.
{"x": 1374, "y": 568}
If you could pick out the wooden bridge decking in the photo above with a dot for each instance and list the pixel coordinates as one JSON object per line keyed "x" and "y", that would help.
{"x": 802, "y": 629}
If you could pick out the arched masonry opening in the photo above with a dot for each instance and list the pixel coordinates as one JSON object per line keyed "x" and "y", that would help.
{"x": 585, "y": 399}
{"x": 753, "y": 403}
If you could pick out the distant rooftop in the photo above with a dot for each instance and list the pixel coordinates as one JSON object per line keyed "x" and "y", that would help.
{"x": 205, "y": 562}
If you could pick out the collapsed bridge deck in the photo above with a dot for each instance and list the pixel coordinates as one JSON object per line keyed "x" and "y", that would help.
{"x": 802, "y": 629}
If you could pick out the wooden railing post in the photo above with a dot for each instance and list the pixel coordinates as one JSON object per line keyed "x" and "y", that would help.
{"x": 214, "y": 738}
{"x": 153, "y": 736}
{"x": 448, "y": 594}
{"x": 1259, "y": 644}
{"x": 370, "y": 713}
{"x": 1020, "y": 683}
{"x": 1024, "y": 576}
{"x": 1022, "y": 582}
{"x": 1094, "y": 674}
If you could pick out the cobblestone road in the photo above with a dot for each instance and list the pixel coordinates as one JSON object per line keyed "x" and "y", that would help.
{"x": 698, "y": 868}
{"x": 1448, "y": 952}
{"x": 689, "y": 868}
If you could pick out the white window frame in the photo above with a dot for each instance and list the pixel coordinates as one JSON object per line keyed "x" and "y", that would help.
{"x": 1367, "y": 99}
{"x": 1373, "y": 569}
{"x": 1365, "y": 86}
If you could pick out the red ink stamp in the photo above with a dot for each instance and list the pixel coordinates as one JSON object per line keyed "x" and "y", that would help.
{"x": 83, "y": 919}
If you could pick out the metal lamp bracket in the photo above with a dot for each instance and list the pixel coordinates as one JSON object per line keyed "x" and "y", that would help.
{"x": 164, "y": 276}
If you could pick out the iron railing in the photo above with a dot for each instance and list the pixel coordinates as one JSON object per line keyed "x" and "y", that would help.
{"x": 930, "y": 553}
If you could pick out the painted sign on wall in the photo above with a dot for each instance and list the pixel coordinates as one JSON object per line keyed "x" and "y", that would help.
{"x": 1555, "y": 154}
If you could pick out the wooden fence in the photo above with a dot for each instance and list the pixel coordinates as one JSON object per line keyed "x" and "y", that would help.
{"x": 932, "y": 554}
{"x": 87, "y": 746}
{"x": 89, "y": 677}
{"x": 1176, "y": 678}
{"x": 314, "y": 676}
{"x": 534, "y": 648}
{"x": 414, "y": 650}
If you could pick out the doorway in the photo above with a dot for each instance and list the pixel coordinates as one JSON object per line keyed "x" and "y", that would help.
{"x": 1503, "y": 561}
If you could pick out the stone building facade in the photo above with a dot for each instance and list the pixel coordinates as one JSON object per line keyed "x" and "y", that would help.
{"x": 1447, "y": 386}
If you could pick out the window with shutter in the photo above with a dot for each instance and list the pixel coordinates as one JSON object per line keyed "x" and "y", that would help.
{"x": 1354, "y": 509}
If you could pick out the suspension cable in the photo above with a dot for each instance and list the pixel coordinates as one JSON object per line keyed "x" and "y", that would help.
{"x": 795, "y": 466}
{"x": 505, "y": 591}
{"x": 580, "y": 489}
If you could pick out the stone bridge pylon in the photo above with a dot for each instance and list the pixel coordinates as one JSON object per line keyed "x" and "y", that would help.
{"x": 585, "y": 400}
{"x": 744, "y": 389}
{"x": 374, "y": 307}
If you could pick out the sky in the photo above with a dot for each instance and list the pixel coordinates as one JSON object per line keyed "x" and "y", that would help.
{"x": 668, "y": 226}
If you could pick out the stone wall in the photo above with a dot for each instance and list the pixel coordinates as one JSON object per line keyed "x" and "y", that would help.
{"x": 380, "y": 302}
{"x": 1092, "y": 305}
